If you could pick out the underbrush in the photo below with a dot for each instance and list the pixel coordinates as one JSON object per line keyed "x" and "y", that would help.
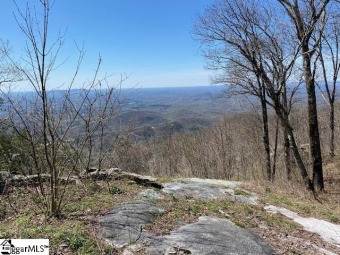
{"x": 295, "y": 197}
{"x": 75, "y": 231}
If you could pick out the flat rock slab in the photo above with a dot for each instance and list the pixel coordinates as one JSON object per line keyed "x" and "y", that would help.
{"x": 207, "y": 189}
{"x": 328, "y": 231}
{"x": 209, "y": 236}
{"x": 226, "y": 184}
{"x": 123, "y": 224}
{"x": 194, "y": 189}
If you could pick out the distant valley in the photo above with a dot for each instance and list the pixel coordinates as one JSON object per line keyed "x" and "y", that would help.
{"x": 155, "y": 111}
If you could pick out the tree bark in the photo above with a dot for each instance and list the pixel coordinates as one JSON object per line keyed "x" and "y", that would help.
{"x": 275, "y": 149}
{"x": 303, "y": 171}
{"x": 287, "y": 150}
{"x": 266, "y": 141}
{"x": 287, "y": 154}
{"x": 313, "y": 126}
{"x": 331, "y": 127}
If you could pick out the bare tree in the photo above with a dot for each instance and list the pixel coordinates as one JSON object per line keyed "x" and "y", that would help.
{"x": 51, "y": 120}
{"x": 248, "y": 35}
{"x": 8, "y": 72}
{"x": 245, "y": 82}
{"x": 329, "y": 59}
{"x": 309, "y": 18}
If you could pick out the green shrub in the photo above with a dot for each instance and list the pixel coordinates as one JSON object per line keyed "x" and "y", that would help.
{"x": 115, "y": 191}
{"x": 77, "y": 239}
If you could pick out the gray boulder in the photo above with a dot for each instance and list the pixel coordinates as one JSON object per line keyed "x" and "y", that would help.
{"x": 96, "y": 173}
{"x": 113, "y": 171}
{"x": 124, "y": 224}
{"x": 5, "y": 178}
{"x": 149, "y": 195}
{"x": 209, "y": 236}
{"x": 21, "y": 180}
{"x": 123, "y": 227}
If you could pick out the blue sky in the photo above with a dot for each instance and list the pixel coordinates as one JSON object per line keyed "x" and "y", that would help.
{"x": 149, "y": 39}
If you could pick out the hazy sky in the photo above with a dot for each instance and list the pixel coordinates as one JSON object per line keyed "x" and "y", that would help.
{"x": 149, "y": 39}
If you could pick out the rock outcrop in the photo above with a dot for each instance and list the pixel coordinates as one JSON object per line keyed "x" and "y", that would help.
{"x": 208, "y": 189}
{"x": 210, "y": 235}
{"x": 124, "y": 225}
{"x": 20, "y": 180}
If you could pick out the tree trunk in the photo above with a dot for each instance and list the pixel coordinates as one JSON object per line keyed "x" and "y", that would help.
{"x": 265, "y": 128}
{"x": 287, "y": 154}
{"x": 313, "y": 126}
{"x": 275, "y": 149}
{"x": 298, "y": 160}
{"x": 287, "y": 151}
{"x": 331, "y": 127}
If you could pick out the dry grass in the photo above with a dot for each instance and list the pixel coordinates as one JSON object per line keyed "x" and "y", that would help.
{"x": 77, "y": 229}
{"x": 295, "y": 197}
{"x": 21, "y": 216}
{"x": 280, "y": 232}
